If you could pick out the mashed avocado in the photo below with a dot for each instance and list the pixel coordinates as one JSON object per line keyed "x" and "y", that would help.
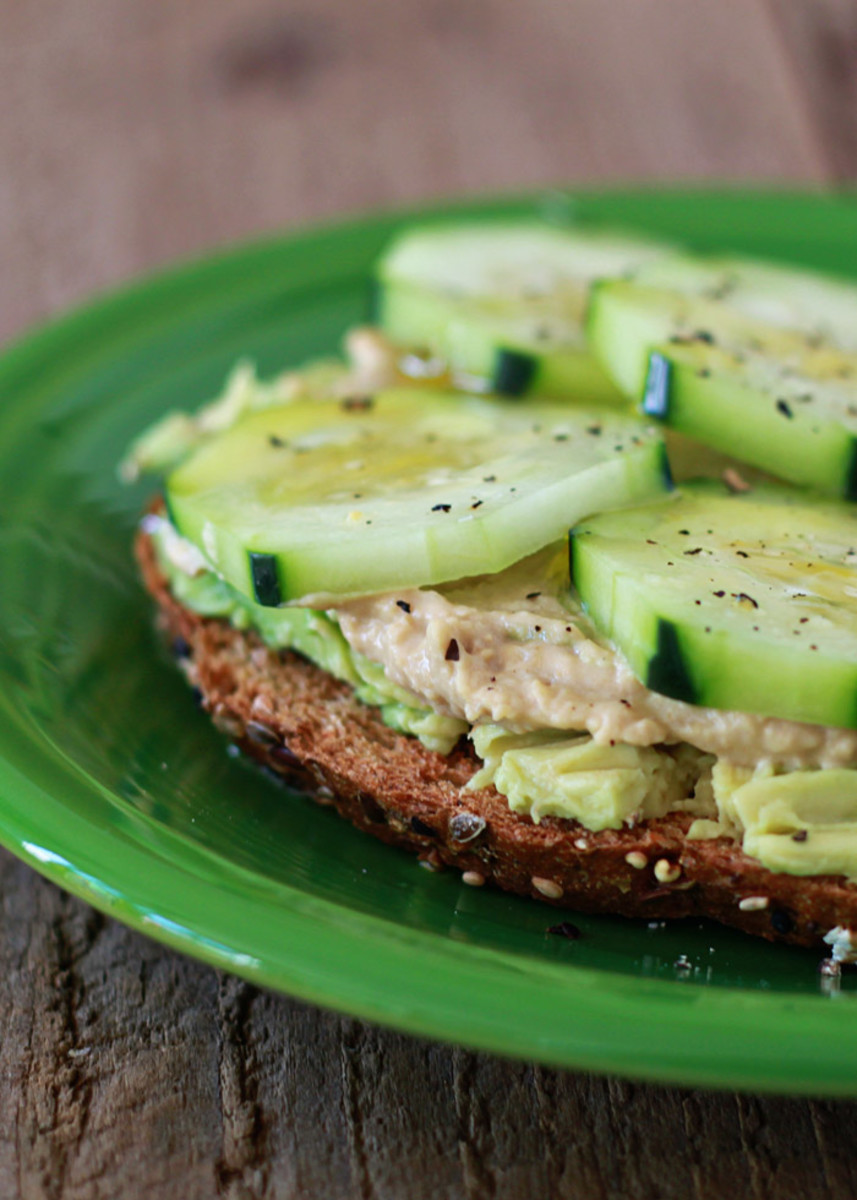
{"x": 556, "y": 774}
{"x": 798, "y": 822}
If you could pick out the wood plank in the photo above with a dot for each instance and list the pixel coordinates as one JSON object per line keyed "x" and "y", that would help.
{"x": 820, "y": 39}
{"x": 129, "y": 140}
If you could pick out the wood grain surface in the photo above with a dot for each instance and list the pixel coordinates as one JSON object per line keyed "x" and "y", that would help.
{"x": 135, "y": 133}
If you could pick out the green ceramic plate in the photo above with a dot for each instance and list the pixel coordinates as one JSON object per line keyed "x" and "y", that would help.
{"x": 112, "y": 784}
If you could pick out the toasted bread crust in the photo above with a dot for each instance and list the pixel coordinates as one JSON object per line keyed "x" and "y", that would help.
{"x": 307, "y": 726}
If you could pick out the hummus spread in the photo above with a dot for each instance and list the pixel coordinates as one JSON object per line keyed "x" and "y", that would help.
{"x": 515, "y": 649}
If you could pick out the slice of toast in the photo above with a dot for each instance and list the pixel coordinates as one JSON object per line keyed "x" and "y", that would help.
{"x": 307, "y": 726}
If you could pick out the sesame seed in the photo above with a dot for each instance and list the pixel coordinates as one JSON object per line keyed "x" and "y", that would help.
{"x": 473, "y": 878}
{"x": 581, "y": 844}
{"x": 666, "y": 872}
{"x": 636, "y": 859}
{"x": 547, "y": 887}
{"x": 753, "y": 903}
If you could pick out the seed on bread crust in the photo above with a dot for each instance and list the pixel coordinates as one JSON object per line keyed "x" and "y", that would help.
{"x": 263, "y": 735}
{"x": 547, "y": 887}
{"x": 666, "y": 871}
{"x": 465, "y": 827}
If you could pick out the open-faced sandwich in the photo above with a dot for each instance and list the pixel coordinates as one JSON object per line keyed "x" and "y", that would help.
{"x": 449, "y": 585}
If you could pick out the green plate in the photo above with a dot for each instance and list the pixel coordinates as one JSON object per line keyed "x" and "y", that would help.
{"x": 115, "y": 786}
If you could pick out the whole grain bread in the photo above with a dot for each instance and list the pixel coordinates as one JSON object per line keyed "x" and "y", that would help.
{"x": 307, "y": 726}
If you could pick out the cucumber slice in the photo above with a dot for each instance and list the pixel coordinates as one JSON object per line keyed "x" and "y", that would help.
{"x": 539, "y": 353}
{"x": 780, "y": 400}
{"x": 403, "y": 489}
{"x": 734, "y": 602}
{"x": 789, "y": 297}
{"x": 504, "y": 303}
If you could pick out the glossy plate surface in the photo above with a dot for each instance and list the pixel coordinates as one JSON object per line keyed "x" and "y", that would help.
{"x": 115, "y": 786}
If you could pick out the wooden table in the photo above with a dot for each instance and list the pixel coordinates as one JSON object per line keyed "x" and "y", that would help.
{"x": 133, "y": 133}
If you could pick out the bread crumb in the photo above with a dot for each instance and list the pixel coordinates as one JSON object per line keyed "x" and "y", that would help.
{"x": 843, "y": 941}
